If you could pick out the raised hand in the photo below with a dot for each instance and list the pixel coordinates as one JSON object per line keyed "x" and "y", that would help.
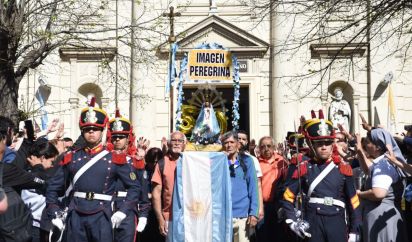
{"x": 302, "y": 120}
{"x": 365, "y": 124}
{"x": 345, "y": 132}
{"x": 281, "y": 149}
{"x": 358, "y": 144}
{"x": 52, "y": 126}
{"x": 163, "y": 144}
{"x": 143, "y": 143}
{"x": 60, "y": 131}
{"x": 252, "y": 146}
{"x": 390, "y": 155}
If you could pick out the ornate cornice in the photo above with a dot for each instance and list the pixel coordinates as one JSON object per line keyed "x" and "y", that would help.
{"x": 245, "y": 45}
{"x": 67, "y": 53}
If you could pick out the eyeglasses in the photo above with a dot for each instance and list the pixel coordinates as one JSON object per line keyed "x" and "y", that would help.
{"x": 323, "y": 143}
{"x": 92, "y": 128}
{"x": 268, "y": 146}
{"x": 119, "y": 137}
{"x": 179, "y": 141}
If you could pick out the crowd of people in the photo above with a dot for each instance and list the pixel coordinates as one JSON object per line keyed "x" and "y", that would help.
{"x": 320, "y": 184}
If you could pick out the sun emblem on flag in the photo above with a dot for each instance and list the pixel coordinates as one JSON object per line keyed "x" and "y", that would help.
{"x": 197, "y": 209}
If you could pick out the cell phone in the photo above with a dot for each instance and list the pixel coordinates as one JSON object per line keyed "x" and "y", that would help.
{"x": 28, "y": 124}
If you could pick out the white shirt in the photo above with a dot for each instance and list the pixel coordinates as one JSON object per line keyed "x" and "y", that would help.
{"x": 257, "y": 166}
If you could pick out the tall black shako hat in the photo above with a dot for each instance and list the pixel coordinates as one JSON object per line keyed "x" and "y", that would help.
{"x": 93, "y": 116}
{"x": 120, "y": 125}
{"x": 296, "y": 137}
{"x": 318, "y": 128}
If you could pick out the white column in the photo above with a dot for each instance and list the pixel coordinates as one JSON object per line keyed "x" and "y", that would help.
{"x": 276, "y": 107}
{"x": 75, "y": 115}
{"x": 355, "y": 114}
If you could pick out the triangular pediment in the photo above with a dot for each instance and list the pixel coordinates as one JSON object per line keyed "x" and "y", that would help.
{"x": 217, "y": 30}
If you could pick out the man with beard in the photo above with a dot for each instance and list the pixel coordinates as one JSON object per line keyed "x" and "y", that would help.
{"x": 163, "y": 180}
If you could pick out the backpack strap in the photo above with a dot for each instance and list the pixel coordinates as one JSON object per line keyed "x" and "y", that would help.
{"x": 1, "y": 174}
{"x": 161, "y": 164}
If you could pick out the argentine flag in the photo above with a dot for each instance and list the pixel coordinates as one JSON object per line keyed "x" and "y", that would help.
{"x": 202, "y": 204}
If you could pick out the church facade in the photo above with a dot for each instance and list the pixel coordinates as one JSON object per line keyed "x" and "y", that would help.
{"x": 275, "y": 87}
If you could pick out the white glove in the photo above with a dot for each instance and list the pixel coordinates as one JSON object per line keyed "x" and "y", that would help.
{"x": 295, "y": 228}
{"x": 141, "y": 224}
{"x": 117, "y": 219}
{"x": 353, "y": 237}
{"x": 58, "y": 223}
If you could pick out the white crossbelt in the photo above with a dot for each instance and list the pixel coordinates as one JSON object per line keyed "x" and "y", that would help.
{"x": 121, "y": 194}
{"x": 329, "y": 201}
{"x": 93, "y": 196}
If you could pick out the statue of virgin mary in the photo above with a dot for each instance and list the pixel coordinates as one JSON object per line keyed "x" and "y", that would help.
{"x": 206, "y": 130}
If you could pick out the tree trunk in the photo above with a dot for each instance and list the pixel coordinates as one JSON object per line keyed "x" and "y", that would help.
{"x": 9, "y": 84}
{"x": 9, "y": 93}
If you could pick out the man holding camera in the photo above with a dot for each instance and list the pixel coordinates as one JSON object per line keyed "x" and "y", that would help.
{"x": 329, "y": 188}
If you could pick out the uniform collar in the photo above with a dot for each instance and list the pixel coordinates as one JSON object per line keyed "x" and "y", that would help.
{"x": 315, "y": 160}
{"x": 94, "y": 150}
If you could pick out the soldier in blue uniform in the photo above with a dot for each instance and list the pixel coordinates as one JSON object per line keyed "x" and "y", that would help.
{"x": 121, "y": 139}
{"x": 297, "y": 152}
{"x": 329, "y": 187}
{"x": 91, "y": 173}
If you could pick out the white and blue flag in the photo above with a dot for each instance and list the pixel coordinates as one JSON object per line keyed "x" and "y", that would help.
{"x": 42, "y": 95}
{"x": 202, "y": 204}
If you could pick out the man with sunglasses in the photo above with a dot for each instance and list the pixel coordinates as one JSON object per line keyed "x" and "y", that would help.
{"x": 121, "y": 140}
{"x": 91, "y": 172}
{"x": 329, "y": 187}
{"x": 273, "y": 167}
{"x": 163, "y": 180}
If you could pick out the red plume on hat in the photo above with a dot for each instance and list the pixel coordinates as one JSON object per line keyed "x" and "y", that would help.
{"x": 313, "y": 114}
{"x": 321, "y": 114}
{"x": 318, "y": 128}
{"x": 93, "y": 116}
{"x": 92, "y": 102}
{"x": 117, "y": 115}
